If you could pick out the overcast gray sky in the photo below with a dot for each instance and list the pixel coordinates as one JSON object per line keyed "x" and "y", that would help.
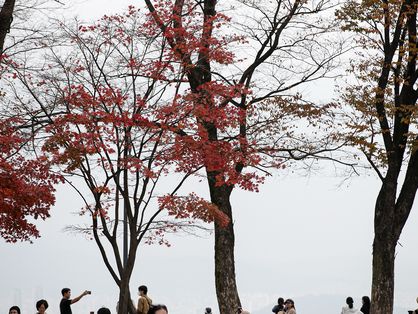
{"x": 308, "y": 238}
{"x": 302, "y": 238}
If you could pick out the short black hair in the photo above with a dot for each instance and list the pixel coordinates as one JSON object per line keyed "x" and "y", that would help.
{"x": 103, "y": 310}
{"x": 65, "y": 290}
{"x": 155, "y": 308}
{"x": 15, "y": 307}
{"x": 40, "y": 302}
{"x": 143, "y": 289}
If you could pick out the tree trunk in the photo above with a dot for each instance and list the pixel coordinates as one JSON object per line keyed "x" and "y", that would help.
{"x": 125, "y": 301}
{"x": 384, "y": 245}
{"x": 6, "y": 17}
{"x": 226, "y": 287}
{"x": 383, "y": 276}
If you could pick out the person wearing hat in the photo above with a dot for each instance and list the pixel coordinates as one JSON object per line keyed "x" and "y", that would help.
{"x": 290, "y": 306}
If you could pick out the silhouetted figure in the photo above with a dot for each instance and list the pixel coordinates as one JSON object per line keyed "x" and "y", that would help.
{"x": 365, "y": 308}
{"x": 208, "y": 310}
{"x": 14, "y": 310}
{"x": 103, "y": 310}
{"x": 349, "y": 308}
{"x": 279, "y": 307}
{"x": 41, "y": 306}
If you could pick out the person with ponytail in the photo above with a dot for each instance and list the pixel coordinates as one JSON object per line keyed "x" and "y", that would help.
{"x": 349, "y": 308}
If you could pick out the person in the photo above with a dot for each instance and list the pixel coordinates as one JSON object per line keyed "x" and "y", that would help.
{"x": 279, "y": 307}
{"x": 365, "y": 308}
{"x": 416, "y": 311}
{"x": 14, "y": 310}
{"x": 144, "y": 302}
{"x": 158, "y": 309}
{"x": 349, "y": 308}
{"x": 41, "y": 306}
{"x": 208, "y": 310}
{"x": 289, "y": 306}
{"x": 65, "y": 304}
{"x": 103, "y": 310}
{"x": 242, "y": 311}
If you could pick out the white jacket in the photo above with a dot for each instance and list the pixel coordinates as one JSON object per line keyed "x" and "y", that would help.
{"x": 347, "y": 310}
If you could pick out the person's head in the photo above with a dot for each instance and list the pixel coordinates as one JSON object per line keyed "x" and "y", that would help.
{"x": 280, "y": 301}
{"x": 158, "y": 309}
{"x": 208, "y": 310}
{"x": 366, "y": 300}
{"x": 14, "y": 310}
{"x": 289, "y": 304}
{"x": 66, "y": 293}
{"x": 349, "y": 302}
{"x": 103, "y": 310}
{"x": 143, "y": 290}
{"x": 41, "y": 306}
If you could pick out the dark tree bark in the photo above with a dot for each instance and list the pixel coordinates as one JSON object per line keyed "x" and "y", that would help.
{"x": 6, "y": 18}
{"x": 199, "y": 73}
{"x": 389, "y": 114}
{"x": 391, "y": 214}
{"x": 225, "y": 279}
{"x": 384, "y": 251}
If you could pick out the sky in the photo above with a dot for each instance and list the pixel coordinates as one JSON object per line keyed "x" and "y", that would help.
{"x": 308, "y": 237}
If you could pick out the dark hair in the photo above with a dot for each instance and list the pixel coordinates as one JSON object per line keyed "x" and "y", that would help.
{"x": 366, "y": 300}
{"x": 208, "y": 310}
{"x": 40, "y": 302}
{"x": 65, "y": 290}
{"x": 290, "y": 301}
{"x": 15, "y": 307}
{"x": 365, "y": 308}
{"x": 280, "y": 301}
{"x": 103, "y": 310}
{"x": 143, "y": 289}
{"x": 155, "y": 308}
{"x": 349, "y": 302}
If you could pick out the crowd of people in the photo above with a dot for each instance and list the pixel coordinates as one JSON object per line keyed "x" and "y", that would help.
{"x": 144, "y": 306}
{"x": 288, "y": 306}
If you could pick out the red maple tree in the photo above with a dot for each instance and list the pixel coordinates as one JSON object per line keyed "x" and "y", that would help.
{"x": 26, "y": 186}
{"x": 138, "y": 97}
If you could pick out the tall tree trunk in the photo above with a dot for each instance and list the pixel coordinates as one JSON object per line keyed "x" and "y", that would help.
{"x": 384, "y": 245}
{"x": 125, "y": 300}
{"x": 226, "y": 287}
{"x": 6, "y": 17}
{"x": 383, "y": 275}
